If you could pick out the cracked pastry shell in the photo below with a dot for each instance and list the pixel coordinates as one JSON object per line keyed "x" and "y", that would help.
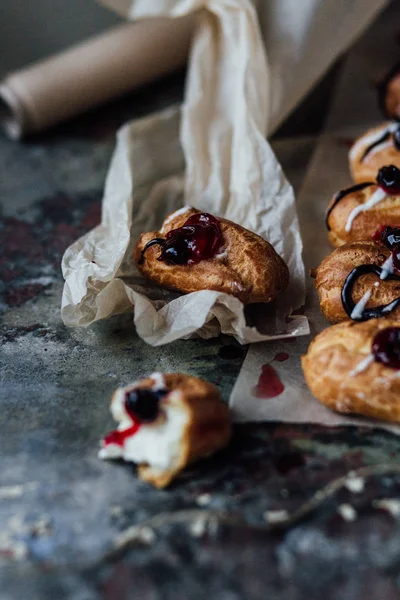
{"x": 193, "y": 423}
{"x": 330, "y": 369}
{"x": 247, "y": 267}
{"x": 331, "y": 275}
{"x": 366, "y": 169}
{"x": 365, "y": 224}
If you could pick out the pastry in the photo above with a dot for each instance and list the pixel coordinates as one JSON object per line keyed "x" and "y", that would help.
{"x": 356, "y": 212}
{"x": 196, "y": 251}
{"x": 376, "y": 148}
{"x": 360, "y": 281}
{"x": 389, "y": 93}
{"x": 166, "y": 422}
{"x": 355, "y": 368}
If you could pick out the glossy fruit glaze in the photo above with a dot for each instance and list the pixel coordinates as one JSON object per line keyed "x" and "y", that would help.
{"x": 386, "y": 347}
{"x": 143, "y": 406}
{"x": 199, "y": 238}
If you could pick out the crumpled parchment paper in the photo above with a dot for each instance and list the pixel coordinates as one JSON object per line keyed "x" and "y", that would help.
{"x": 354, "y": 109}
{"x": 229, "y": 168}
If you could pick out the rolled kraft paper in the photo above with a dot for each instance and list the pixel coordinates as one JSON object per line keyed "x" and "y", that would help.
{"x": 93, "y": 72}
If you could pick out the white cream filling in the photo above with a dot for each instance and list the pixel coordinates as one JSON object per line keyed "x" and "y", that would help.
{"x": 156, "y": 444}
{"x": 362, "y": 366}
{"x": 358, "y": 310}
{"x": 159, "y": 381}
{"x": 376, "y": 197}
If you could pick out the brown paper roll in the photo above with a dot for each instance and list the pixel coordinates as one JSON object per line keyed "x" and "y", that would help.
{"x": 91, "y": 73}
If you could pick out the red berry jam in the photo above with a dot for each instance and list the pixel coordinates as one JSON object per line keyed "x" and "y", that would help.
{"x": 143, "y": 406}
{"x": 200, "y": 238}
{"x": 389, "y": 179}
{"x": 269, "y": 385}
{"x": 119, "y": 437}
{"x": 386, "y": 347}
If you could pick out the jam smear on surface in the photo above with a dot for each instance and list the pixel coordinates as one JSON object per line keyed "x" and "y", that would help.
{"x": 199, "y": 238}
{"x": 143, "y": 406}
{"x": 386, "y": 347}
{"x": 281, "y": 356}
{"x": 388, "y": 179}
{"x": 269, "y": 385}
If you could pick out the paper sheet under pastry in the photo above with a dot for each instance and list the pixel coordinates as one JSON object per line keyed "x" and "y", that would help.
{"x": 354, "y": 109}
{"x": 235, "y": 92}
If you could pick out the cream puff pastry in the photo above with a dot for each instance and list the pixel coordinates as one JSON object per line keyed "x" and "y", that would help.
{"x": 355, "y": 368}
{"x": 165, "y": 422}
{"x": 376, "y": 148}
{"x": 196, "y": 251}
{"x": 356, "y": 212}
{"x": 360, "y": 281}
{"x": 389, "y": 93}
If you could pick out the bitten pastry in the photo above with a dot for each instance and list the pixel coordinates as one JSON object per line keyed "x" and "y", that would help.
{"x": 389, "y": 93}
{"x": 196, "y": 251}
{"x": 166, "y": 422}
{"x": 360, "y": 281}
{"x": 376, "y": 148}
{"x": 356, "y": 212}
{"x": 355, "y": 368}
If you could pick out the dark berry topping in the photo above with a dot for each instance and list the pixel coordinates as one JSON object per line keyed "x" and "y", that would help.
{"x": 386, "y": 347}
{"x": 387, "y": 235}
{"x": 390, "y": 237}
{"x": 200, "y": 238}
{"x": 389, "y": 179}
{"x": 143, "y": 404}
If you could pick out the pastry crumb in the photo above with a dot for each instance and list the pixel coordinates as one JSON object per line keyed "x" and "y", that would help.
{"x": 347, "y": 512}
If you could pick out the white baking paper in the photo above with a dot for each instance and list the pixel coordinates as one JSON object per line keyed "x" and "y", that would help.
{"x": 353, "y": 110}
{"x": 230, "y": 169}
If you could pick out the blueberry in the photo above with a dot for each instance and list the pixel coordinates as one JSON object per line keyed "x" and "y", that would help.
{"x": 389, "y": 179}
{"x": 143, "y": 404}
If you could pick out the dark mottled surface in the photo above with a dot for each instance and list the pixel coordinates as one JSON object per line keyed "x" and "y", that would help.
{"x": 62, "y": 509}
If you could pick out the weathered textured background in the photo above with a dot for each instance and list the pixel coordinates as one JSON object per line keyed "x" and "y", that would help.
{"x": 61, "y": 509}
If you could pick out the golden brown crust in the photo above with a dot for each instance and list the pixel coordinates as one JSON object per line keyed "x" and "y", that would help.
{"x": 250, "y": 270}
{"x": 386, "y": 212}
{"x": 329, "y": 368}
{"x": 334, "y": 269}
{"x": 367, "y": 169}
{"x": 207, "y": 429}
